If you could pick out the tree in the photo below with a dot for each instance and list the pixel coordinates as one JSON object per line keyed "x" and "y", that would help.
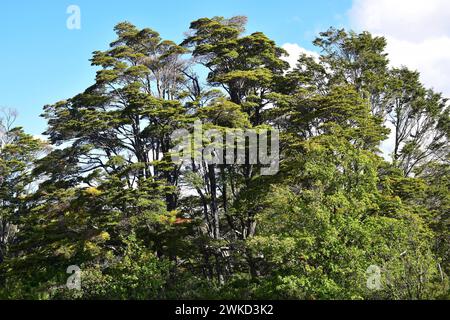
{"x": 110, "y": 179}
{"x": 246, "y": 68}
{"x": 419, "y": 118}
{"x": 326, "y": 224}
{"x": 18, "y": 150}
{"x": 397, "y": 98}
{"x": 349, "y": 58}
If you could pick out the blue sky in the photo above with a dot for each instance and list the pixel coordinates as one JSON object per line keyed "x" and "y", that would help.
{"x": 42, "y": 62}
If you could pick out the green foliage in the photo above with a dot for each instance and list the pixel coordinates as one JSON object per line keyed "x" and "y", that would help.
{"x": 138, "y": 275}
{"x": 108, "y": 198}
{"x": 18, "y": 151}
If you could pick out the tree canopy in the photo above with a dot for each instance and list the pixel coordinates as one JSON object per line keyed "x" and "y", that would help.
{"x": 105, "y": 194}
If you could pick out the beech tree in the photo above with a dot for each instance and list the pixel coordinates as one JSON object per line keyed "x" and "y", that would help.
{"x": 18, "y": 151}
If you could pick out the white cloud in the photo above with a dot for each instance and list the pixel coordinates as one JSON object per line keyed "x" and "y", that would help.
{"x": 418, "y": 34}
{"x": 41, "y": 137}
{"x": 294, "y": 51}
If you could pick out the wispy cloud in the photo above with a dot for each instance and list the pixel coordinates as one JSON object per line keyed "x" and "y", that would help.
{"x": 294, "y": 51}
